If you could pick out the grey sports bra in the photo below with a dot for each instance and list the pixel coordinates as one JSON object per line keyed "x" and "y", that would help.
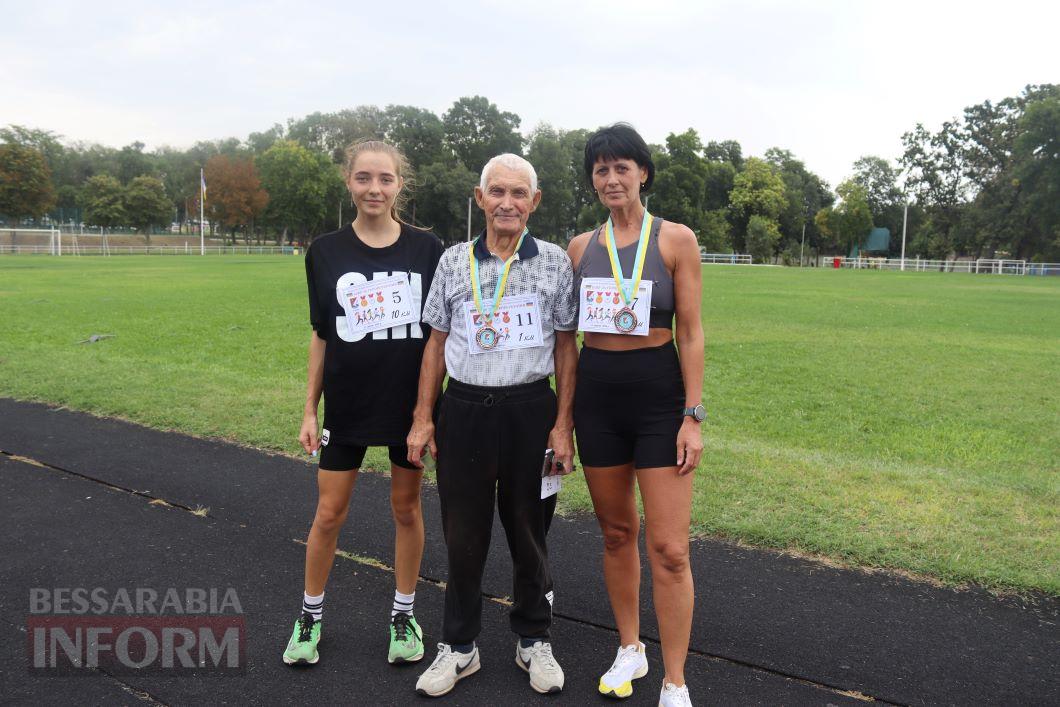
{"x": 596, "y": 262}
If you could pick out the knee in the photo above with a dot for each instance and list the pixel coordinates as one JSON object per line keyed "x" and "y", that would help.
{"x": 619, "y": 536}
{"x": 670, "y": 558}
{"x": 405, "y": 509}
{"x": 329, "y": 519}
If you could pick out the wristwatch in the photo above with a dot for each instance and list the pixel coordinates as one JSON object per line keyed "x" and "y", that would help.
{"x": 698, "y": 413}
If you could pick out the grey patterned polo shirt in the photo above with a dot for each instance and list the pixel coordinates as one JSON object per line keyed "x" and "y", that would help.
{"x": 540, "y": 268}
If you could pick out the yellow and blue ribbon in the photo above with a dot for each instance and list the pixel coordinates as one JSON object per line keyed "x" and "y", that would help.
{"x": 629, "y": 291}
{"x": 476, "y": 288}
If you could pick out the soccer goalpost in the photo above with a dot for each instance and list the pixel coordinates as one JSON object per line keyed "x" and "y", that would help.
{"x": 55, "y": 239}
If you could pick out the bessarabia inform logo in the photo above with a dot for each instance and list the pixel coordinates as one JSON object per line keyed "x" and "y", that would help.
{"x": 122, "y": 631}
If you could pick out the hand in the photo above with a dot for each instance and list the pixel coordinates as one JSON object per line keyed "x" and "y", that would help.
{"x": 308, "y": 436}
{"x": 561, "y": 441}
{"x": 420, "y": 439}
{"x": 689, "y": 446}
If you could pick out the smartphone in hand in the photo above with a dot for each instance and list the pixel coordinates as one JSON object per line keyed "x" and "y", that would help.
{"x": 546, "y": 467}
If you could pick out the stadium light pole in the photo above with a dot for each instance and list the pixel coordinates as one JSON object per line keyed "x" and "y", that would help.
{"x": 469, "y": 219}
{"x": 905, "y": 219}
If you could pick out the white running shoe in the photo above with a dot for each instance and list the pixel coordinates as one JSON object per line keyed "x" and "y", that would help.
{"x": 630, "y": 663}
{"x": 674, "y": 696}
{"x": 448, "y": 667}
{"x": 545, "y": 674}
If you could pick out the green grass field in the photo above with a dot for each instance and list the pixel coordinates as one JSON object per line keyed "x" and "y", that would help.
{"x": 907, "y": 421}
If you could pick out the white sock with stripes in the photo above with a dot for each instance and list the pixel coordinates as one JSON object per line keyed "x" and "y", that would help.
{"x": 313, "y": 605}
{"x": 403, "y": 603}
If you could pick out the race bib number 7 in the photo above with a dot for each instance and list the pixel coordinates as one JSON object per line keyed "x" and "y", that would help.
{"x": 378, "y": 304}
{"x": 600, "y": 301}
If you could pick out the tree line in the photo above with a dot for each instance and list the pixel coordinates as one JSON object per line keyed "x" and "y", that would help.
{"x": 983, "y": 185}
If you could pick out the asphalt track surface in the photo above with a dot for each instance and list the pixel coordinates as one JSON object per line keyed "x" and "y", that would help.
{"x": 76, "y": 510}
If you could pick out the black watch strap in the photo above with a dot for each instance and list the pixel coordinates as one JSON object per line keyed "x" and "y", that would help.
{"x": 697, "y": 413}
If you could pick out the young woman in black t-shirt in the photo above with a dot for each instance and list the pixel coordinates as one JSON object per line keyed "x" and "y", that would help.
{"x": 368, "y": 375}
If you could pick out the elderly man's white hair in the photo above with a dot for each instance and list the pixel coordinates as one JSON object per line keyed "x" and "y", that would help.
{"x": 512, "y": 162}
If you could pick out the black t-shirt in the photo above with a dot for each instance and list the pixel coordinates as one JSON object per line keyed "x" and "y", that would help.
{"x": 370, "y": 382}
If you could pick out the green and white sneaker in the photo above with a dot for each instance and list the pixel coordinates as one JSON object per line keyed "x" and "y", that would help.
{"x": 406, "y": 639}
{"x": 302, "y": 648}
{"x": 630, "y": 664}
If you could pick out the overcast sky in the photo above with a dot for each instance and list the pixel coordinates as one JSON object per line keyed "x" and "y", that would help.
{"x": 830, "y": 81}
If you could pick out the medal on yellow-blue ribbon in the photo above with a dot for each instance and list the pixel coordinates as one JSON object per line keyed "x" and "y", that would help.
{"x": 487, "y": 337}
{"x": 626, "y": 319}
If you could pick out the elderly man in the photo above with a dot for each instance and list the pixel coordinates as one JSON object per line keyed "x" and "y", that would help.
{"x": 503, "y": 315}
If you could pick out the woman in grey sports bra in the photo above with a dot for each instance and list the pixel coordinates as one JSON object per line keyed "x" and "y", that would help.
{"x": 637, "y": 410}
{"x": 596, "y": 262}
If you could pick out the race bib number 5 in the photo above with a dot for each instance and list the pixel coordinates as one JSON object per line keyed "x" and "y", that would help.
{"x": 378, "y": 304}
{"x": 517, "y": 323}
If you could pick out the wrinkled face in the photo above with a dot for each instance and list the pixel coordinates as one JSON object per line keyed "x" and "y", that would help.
{"x": 507, "y": 201}
{"x": 374, "y": 183}
{"x": 617, "y": 181}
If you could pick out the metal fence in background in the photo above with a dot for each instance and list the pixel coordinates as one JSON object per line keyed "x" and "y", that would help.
{"x": 724, "y": 259}
{"x": 71, "y": 247}
{"x": 980, "y": 266}
{"x": 78, "y": 250}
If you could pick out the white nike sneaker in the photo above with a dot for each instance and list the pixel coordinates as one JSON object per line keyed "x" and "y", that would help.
{"x": 448, "y": 667}
{"x": 674, "y": 696}
{"x": 545, "y": 674}
{"x": 630, "y": 663}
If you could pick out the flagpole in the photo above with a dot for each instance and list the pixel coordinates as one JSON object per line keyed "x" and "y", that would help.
{"x": 202, "y": 209}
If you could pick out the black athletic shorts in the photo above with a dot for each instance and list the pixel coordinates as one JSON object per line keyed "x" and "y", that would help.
{"x": 628, "y": 406}
{"x": 344, "y": 457}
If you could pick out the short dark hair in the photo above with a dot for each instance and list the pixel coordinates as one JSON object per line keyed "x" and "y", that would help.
{"x": 618, "y": 142}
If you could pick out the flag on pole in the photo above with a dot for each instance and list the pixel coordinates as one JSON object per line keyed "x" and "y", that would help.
{"x": 202, "y": 177}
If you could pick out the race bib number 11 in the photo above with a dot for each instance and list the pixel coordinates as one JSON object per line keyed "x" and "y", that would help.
{"x": 378, "y": 304}
{"x": 517, "y": 322}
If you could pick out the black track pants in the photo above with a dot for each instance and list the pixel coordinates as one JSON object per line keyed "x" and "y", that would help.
{"x": 491, "y": 445}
